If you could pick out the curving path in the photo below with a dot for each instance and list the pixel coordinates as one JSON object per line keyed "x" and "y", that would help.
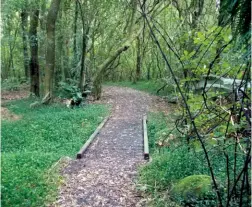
{"x": 105, "y": 175}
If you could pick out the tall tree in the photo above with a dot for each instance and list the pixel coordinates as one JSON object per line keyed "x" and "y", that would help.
{"x": 138, "y": 59}
{"x": 102, "y": 67}
{"x": 34, "y": 63}
{"x": 75, "y": 56}
{"x": 24, "y": 24}
{"x": 85, "y": 33}
{"x": 50, "y": 50}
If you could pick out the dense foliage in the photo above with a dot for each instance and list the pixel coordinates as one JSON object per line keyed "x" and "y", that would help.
{"x": 173, "y": 160}
{"x": 31, "y": 145}
{"x": 198, "y": 50}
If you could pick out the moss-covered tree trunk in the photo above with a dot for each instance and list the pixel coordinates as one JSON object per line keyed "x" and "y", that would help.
{"x": 24, "y": 26}
{"x": 83, "y": 58}
{"x": 101, "y": 69}
{"x": 85, "y": 33}
{"x": 34, "y": 64}
{"x": 97, "y": 80}
{"x": 75, "y": 56}
{"x": 50, "y": 50}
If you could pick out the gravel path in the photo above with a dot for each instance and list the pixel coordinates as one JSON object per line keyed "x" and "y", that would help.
{"x": 106, "y": 174}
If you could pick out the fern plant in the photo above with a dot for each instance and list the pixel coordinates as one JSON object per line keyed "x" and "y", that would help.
{"x": 70, "y": 91}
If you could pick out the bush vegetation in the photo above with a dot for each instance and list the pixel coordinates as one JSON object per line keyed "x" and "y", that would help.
{"x": 31, "y": 145}
{"x": 176, "y": 161}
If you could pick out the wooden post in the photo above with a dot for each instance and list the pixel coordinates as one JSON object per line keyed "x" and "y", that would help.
{"x": 146, "y": 142}
{"x": 91, "y": 138}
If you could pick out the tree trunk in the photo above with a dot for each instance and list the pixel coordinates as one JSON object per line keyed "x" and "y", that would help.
{"x": 93, "y": 53}
{"x": 83, "y": 57}
{"x": 60, "y": 42}
{"x": 59, "y": 74}
{"x": 12, "y": 44}
{"x": 133, "y": 15}
{"x": 138, "y": 60}
{"x": 221, "y": 23}
{"x": 34, "y": 64}
{"x": 75, "y": 56}
{"x": 84, "y": 50}
{"x": 66, "y": 51}
{"x": 50, "y": 50}
{"x": 42, "y": 39}
{"x": 197, "y": 5}
{"x": 24, "y": 22}
{"x": 101, "y": 68}
{"x": 148, "y": 71}
{"x": 3, "y": 63}
{"x": 197, "y": 8}
{"x": 131, "y": 20}
{"x": 131, "y": 37}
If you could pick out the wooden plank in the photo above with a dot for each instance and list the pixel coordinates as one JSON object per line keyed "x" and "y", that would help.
{"x": 91, "y": 138}
{"x": 146, "y": 141}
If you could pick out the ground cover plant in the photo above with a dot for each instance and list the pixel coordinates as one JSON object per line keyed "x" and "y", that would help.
{"x": 173, "y": 160}
{"x": 32, "y": 144}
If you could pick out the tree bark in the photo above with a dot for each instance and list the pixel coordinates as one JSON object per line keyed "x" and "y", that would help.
{"x": 42, "y": 39}
{"x": 75, "y": 56}
{"x": 12, "y": 44}
{"x": 59, "y": 74}
{"x": 50, "y": 50}
{"x": 197, "y": 5}
{"x": 34, "y": 64}
{"x": 221, "y": 23}
{"x": 24, "y": 22}
{"x": 84, "y": 49}
{"x": 83, "y": 57}
{"x": 133, "y": 15}
{"x": 148, "y": 71}
{"x": 61, "y": 41}
{"x": 138, "y": 60}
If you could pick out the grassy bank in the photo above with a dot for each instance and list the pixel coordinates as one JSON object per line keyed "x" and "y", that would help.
{"x": 170, "y": 164}
{"x": 31, "y": 145}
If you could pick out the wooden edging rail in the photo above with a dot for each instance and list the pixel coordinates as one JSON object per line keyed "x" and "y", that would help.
{"x": 146, "y": 142}
{"x": 91, "y": 138}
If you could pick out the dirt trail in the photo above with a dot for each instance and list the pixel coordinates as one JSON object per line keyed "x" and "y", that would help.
{"x": 7, "y": 96}
{"x": 106, "y": 174}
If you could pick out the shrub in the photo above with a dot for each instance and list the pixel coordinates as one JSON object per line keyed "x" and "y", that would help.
{"x": 193, "y": 190}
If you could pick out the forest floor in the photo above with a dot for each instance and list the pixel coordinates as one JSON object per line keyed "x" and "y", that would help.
{"x": 20, "y": 93}
{"x": 106, "y": 175}
{"x": 7, "y": 95}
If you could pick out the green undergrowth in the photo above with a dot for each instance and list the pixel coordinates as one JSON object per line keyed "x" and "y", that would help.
{"x": 33, "y": 144}
{"x": 12, "y": 84}
{"x": 169, "y": 165}
{"x": 147, "y": 86}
